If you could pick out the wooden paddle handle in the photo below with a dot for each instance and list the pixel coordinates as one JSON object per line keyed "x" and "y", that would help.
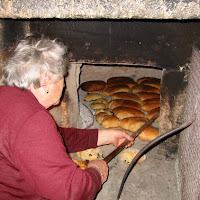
{"x": 109, "y": 157}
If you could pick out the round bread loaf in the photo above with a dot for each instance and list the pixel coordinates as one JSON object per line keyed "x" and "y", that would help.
{"x": 92, "y": 97}
{"x": 103, "y": 110}
{"x": 152, "y": 112}
{"x": 124, "y": 112}
{"x": 96, "y": 106}
{"x": 149, "y": 106}
{"x": 132, "y": 124}
{"x": 140, "y": 80}
{"x": 119, "y": 78}
{"x": 130, "y": 83}
{"x": 101, "y": 100}
{"x": 92, "y": 86}
{"x": 110, "y": 122}
{"x": 81, "y": 163}
{"x": 100, "y": 117}
{"x": 146, "y": 95}
{"x": 127, "y": 96}
{"x": 153, "y": 83}
{"x": 144, "y": 88}
{"x": 123, "y": 102}
{"x": 150, "y": 101}
{"x": 128, "y": 155}
{"x": 149, "y": 134}
{"x": 90, "y": 154}
{"x": 114, "y": 89}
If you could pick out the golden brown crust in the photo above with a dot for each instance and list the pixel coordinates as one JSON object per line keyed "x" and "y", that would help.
{"x": 132, "y": 124}
{"x": 92, "y": 86}
{"x": 122, "y": 102}
{"x": 110, "y": 122}
{"x": 153, "y": 83}
{"x": 119, "y": 78}
{"x": 100, "y": 117}
{"x": 144, "y": 88}
{"x": 124, "y": 112}
{"x": 127, "y": 96}
{"x": 150, "y": 133}
{"x": 90, "y": 154}
{"x": 140, "y": 80}
{"x": 92, "y": 97}
{"x": 129, "y": 154}
{"x": 152, "y": 112}
{"x": 150, "y": 101}
{"x": 81, "y": 163}
{"x": 103, "y": 110}
{"x": 96, "y": 106}
{"x": 101, "y": 100}
{"x": 129, "y": 83}
{"x": 109, "y": 91}
{"x": 146, "y": 95}
{"x": 149, "y": 106}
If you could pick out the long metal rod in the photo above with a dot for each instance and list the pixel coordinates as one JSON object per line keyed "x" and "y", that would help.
{"x": 148, "y": 147}
{"x": 109, "y": 157}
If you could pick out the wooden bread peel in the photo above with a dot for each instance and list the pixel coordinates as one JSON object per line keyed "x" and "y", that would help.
{"x": 109, "y": 157}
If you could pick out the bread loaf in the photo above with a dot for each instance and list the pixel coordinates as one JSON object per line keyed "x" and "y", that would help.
{"x": 124, "y": 112}
{"x": 128, "y": 155}
{"x": 96, "y": 106}
{"x": 119, "y": 78}
{"x": 150, "y": 101}
{"x": 153, "y": 83}
{"x": 140, "y": 80}
{"x": 114, "y": 89}
{"x": 122, "y": 102}
{"x": 149, "y": 106}
{"x": 100, "y": 117}
{"x": 152, "y": 112}
{"x": 150, "y": 133}
{"x": 110, "y": 122}
{"x": 132, "y": 124}
{"x": 92, "y": 86}
{"x": 129, "y": 83}
{"x": 90, "y": 154}
{"x": 103, "y": 110}
{"x": 81, "y": 163}
{"x": 127, "y": 96}
{"x": 101, "y": 100}
{"x": 146, "y": 95}
{"x": 92, "y": 97}
{"x": 144, "y": 88}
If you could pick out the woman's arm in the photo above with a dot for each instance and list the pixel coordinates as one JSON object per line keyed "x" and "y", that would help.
{"x": 40, "y": 156}
{"x": 79, "y": 139}
{"x": 113, "y": 136}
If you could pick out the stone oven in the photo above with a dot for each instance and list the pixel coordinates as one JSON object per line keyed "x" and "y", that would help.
{"x": 153, "y": 36}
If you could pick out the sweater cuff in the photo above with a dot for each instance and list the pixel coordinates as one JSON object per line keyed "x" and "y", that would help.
{"x": 97, "y": 184}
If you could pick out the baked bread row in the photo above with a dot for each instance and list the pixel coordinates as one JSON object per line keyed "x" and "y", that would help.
{"x": 127, "y": 84}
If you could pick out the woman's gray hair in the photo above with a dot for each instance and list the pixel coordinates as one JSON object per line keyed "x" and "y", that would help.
{"x": 32, "y": 57}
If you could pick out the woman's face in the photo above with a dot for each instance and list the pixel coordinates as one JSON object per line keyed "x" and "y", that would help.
{"x": 55, "y": 92}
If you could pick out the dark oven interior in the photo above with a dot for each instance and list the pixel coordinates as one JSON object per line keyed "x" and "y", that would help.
{"x": 147, "y": 41}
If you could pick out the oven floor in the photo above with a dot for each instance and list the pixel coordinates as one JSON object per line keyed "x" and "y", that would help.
{"x": 152, "y": 179}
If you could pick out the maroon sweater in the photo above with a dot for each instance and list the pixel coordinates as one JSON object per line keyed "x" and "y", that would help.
{"x": 34, "y": 163}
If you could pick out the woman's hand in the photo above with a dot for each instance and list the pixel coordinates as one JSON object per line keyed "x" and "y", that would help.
{"x": 113, "y": 136}
{"x": 102, "y": 167}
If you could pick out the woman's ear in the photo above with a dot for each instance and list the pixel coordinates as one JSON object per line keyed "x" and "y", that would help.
{"x": 44, "y": 79}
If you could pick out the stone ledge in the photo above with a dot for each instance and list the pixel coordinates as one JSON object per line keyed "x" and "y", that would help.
{"x": 98, "y": 9}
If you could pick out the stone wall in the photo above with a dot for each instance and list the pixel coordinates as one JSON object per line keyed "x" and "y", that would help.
{"x": 98, "y": 9}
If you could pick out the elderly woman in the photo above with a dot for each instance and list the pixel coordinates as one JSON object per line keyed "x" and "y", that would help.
{"x": 34, "y": 163}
